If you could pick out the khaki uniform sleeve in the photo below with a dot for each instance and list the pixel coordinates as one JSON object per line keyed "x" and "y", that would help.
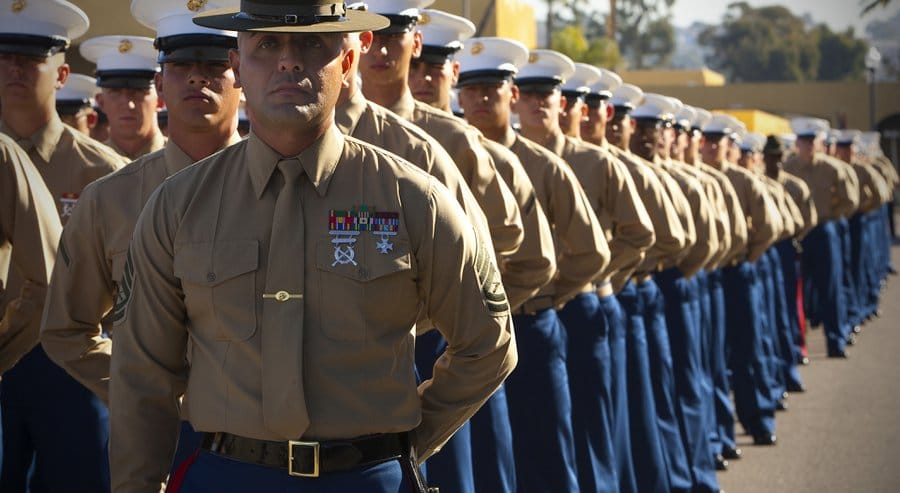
{"x": 632, "y": 231}
{"x": 582, "y": 251}
{"x": 80, "y": 294}
{"x": 667, "y": 227}
{"x": 763, "y": 220}
{"x": 461, "y": 289}
{"x": 720, "y": 216}
{"x": 682, "y": 209}
{"x": 148, "y": 368}
{"x": 737, "y": 221}
{"x": 707, "y": 243}
{"x": 846, "y": 194}
{"x": 532, "y": 266}
{"x": 29, "y": 235}
{"x": 870, "y": 195}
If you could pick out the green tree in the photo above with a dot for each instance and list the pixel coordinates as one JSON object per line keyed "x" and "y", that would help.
{"x": 600, "y": 51}
{"x": 645, "y": 31}
{"x": 764, "y": 44}
{"x": 843, "y": 56}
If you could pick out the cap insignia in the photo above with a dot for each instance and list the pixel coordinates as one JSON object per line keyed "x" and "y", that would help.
{"x": 533, "y": 57}
{"x": 124, "y": 46}
{"x": 195, "y": 5}
{"x": 18, "y": 6}
{"x": 477, "y": 47}
{"x": 424, "y": 19}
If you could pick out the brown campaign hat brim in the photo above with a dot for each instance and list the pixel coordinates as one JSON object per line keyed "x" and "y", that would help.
{"x": 229, "y": 19}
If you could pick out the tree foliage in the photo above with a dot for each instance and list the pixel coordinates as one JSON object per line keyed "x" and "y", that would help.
{"x": 645, "y": 31}
{"x": 599, "y": 51}
{"x": 773, "y": 44}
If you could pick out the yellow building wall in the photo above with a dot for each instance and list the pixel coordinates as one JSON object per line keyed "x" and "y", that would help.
{"x": 759, "y": 121}
{"x": 689, "y": 78}
{"x": 512, "y": 19}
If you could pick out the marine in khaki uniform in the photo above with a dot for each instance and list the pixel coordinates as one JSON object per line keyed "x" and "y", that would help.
{"x": 648, "y": 446}
{"x": 75, "y": 103}
{"x": 742, "y": 289}
{"x": 29, "y": 233}
{"x": 219, "y": 268}
{"x": 539, "y": 391}
{"x": 486, "y": 463}
{"x": 385, "y": 72}
{"x": 629, "y": 232}
{"x": 870, "y": 147}
{"x": 836, "y": 196}
{"x": 773, "y": 152}
{"x": 126, "y": 66}
{"x": 619, "y": 131}
{"x": 197, "y": 82}
{"x": 33, "y": 39}
{"x": 681, "y": 289}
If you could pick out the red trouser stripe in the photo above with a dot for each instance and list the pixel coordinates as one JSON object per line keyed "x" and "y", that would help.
{"x": 175, "y": 481}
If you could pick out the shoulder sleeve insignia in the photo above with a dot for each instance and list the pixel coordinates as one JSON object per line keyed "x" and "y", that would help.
{"x": 123, "y": 293}
{"x": 489, "y": 280}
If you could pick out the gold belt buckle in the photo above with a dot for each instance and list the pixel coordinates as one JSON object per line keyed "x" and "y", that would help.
{"x": 315, "y": 451}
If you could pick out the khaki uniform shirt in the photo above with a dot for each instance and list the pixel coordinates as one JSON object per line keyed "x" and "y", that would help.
{"x": 872, "y": 186}
{"x": 91, "y": 262}
{"x": 799, "y": 192}
{"x": 786, "y": 212}
{"x": 67, "y": 161}
{"x": 833, "y": 191}
{"x": 717, "y": 210}
{"x": 533, "y": 265}
{"x": 667, "y": 229}
{"x": 613, "y": 197}
{"x": 734, "y": 213}
{"x": 682, "y": 209}
{"x": 760, "y": 212}
{"x": 156, "y": 143}
{"x": 581, "y": 248}
{"x": 29, "y": 223}
{"x": 887, "y": 170}
{"x": 464, "y": 143}
{"x": 707, "y": 242}
{"x": 191, "y": 321}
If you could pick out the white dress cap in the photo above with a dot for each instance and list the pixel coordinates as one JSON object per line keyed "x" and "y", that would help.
{"x": 870, "y": 143}
{"x": 609, "y": 81}
{"x": 701, "y": 118}
{"x": 626, "y": 96}
{"x": 122, "y": 61}
{"x": 545, "y": 67}
{"x": 445, "y": 30}
{"x": 656, "y": 107}
{"x": 789, "y": 140}
{"x": 719, "y": 123}
{"x": 48, "y": 26}
{"x": 685, "y": 116}
{"x": 409, "y": 8}
{"x": 848, "y": 137}
{"x": 585, "y": 75}
{"x": 489, "y": 60}
{"x": 752, "y": 142}
{"x": 78, "y": 87}
{"x": 810, "y": 127}
{"x": 173, "y": 17}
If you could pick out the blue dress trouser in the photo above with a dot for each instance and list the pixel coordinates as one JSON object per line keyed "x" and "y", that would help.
{"x": 540, "y": 406}
{"x": 854, "y": 316}
{"x": 493, "y": 460}
{"x": 860, "y": 243}
{"x": 723, "y": 408}
{"x": 823, "y": 266}
{"x": 620, "y": 419}
{"x": 646, "y": 445}
{"x": 586, "y": 322}
{"x": 784, "y": 329}
{"x": 53, "y": 426}
{"x": 683, "y": 319}
{"x": 749, "y": 370}
{"x": 212, "y": 473}
{"x": 769, "y": 337}
{"x": 451, "y": 468}
{"x": 662, "y": 375}
{"x": 790, "y": 259}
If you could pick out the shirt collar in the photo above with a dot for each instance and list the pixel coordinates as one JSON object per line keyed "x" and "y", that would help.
{"x": 43, "y": 141}
{"x": 319, "y": 160}
{"x": 176, "y": 159}
{"x": 347, "y": 115}
{"x": 557, "y": 143}
{"x": 405, "y": 105}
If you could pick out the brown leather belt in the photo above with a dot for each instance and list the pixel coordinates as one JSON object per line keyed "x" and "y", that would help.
{"x": 307, "y": 458}
{"x": 534, "y": 305}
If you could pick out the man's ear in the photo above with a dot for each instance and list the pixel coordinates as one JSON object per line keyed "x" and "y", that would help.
{"x": 62, "y": 75}
{"x": 417, "y": 44}
{"x": 235, "y": 60}
{"x": 346, "y": 66}
{"x": 158, "y": 83}
{"x": 455, "y": 66}
{"x": 584, "y": 111}
{"x": 562, "y": 104}
{"x": 514, "y": 93}
{"x": 92, "y": 119}
{"x": 366, "y": 38}
{"x": 100, "y": 101}
{"x": 610, "y": 111}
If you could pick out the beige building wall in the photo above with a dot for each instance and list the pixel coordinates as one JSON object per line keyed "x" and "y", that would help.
{"x": 505, "y": 18}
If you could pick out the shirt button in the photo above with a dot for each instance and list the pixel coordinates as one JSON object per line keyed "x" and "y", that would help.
{"x": 210, "y": 277}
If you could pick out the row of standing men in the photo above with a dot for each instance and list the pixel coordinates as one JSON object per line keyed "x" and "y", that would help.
{"x": 623, "y": 225}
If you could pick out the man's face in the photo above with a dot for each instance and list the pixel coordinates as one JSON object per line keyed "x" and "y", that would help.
{"x": 844, "y": 152}
{"x": 488, "y": 105}
{"x": 571, "y": 116}
{"x": 773, "y": 163}
{"x": 431, "y": 83}
{"x": 199, "y": 94}
{"x": 130, "y": 111}
{"x": 734, "y": 151}
{"x": 619, "y": 130}
{"x": 387, "y": 61}
{"x": 648, "y": 138}
{"x": 291, "y": 79}
{"x": 593, "y": 127}
{"x": 31, "y": 80}
{"x": 681, "y": 141}
{"x": 714, "y": 149}
{"x": 539, "y": 110}
{"x": 83, "y": 121}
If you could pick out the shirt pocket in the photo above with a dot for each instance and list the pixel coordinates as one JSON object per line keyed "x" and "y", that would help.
{"x": 219, "y": 284}
{"x": 359, "y": 302}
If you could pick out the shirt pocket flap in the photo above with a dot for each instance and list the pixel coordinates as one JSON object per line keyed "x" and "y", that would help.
{"x": 211, "y": 264}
